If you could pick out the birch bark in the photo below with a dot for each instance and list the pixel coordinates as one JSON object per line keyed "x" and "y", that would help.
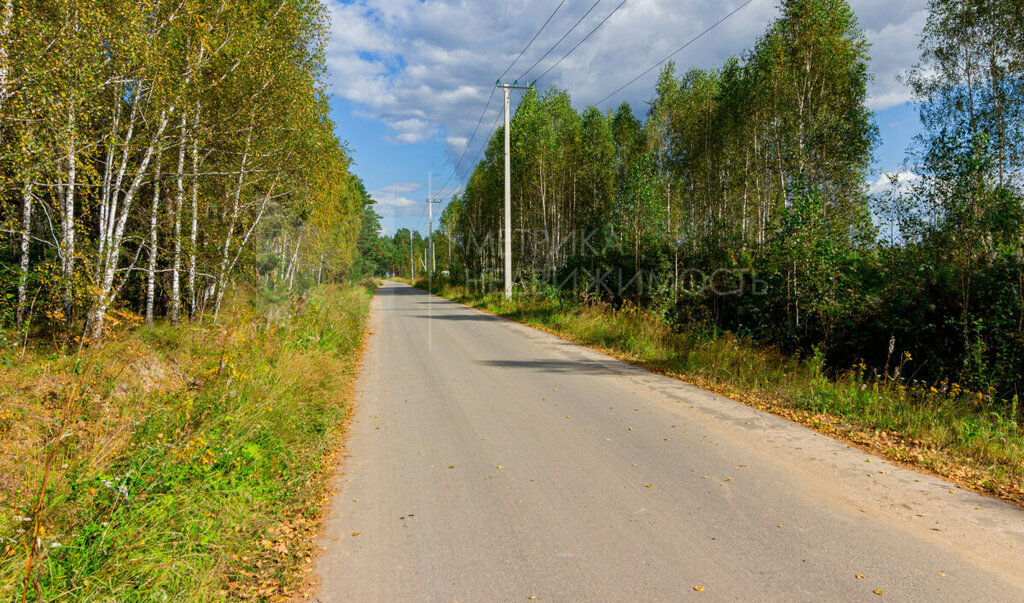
{"x": 154, "y": 246}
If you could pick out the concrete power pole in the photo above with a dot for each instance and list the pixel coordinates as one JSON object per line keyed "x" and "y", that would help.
{"x": 430, "y": 235}
{"x": 508, "y": 189}
{"x": 412, "y": 261}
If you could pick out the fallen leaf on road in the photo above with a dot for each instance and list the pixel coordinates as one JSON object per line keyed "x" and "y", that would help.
{"x": 650, "y": 485}
{"x": 698, "y": 588}
{"x": 500, "y": 467}
{"x": 451, "y": 466}
{"x": 355, "y": 533}
{"x": 859, "y": 576}
{"x": 878, "y": 591}
{"x": 942, "y": 573}
{"x": 568, "y": 416}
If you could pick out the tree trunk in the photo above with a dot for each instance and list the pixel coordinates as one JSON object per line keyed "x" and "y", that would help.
{"x": 67, "y": 251}
{"x": 194, "y": 193}
{"x": 236, "y": 206}
{"x": 112, "y": 253}
{"x": 294, "y": 266}
{"x": 153, "y": 243}
{"x": 179, "y": 201}
{"x": 5, "y": 30}
{"x": 26, "y": 245}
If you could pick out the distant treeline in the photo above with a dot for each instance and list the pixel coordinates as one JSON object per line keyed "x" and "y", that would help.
{"x": 752, "y": 177}
{"x": 152, "y": 153}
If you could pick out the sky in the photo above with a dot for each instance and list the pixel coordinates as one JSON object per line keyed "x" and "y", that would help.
{"x": 409, "y": 79}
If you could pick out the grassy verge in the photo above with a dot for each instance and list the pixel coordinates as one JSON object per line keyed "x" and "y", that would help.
{"x": 177, "y": 462}
{"x": 941, "y": 428}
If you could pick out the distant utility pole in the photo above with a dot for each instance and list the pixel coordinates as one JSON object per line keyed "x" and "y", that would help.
{"x": 508, "y": 188}
{"x": 430, "y": 234}
{"x": 412, "y": 263}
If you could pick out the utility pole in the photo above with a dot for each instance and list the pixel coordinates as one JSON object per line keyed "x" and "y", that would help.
{"x": 412, "y": 262}
{"x": 430, "y": 234}
{"x": 508, "y": 187}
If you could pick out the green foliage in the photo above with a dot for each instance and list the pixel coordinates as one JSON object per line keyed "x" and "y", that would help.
{"x": 752, "y": 176}
{"x": 217, "y": 485}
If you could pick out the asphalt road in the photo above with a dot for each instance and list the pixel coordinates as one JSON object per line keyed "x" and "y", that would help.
{"x": 490, "y": 461}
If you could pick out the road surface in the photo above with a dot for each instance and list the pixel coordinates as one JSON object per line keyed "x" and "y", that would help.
{"x": 490, "y": 461}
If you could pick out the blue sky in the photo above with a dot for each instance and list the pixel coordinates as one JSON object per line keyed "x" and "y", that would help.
{"x": 409, "y": 78}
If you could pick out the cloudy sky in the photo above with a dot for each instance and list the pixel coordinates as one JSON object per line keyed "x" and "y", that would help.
{"x": 410, "y": 78}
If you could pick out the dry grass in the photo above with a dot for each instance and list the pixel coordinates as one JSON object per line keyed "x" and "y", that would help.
{"x": 177, "y": 459}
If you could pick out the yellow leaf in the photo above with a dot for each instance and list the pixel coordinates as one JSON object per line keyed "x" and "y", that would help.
{"x": 650, "y": 485}
{"x": 355, "y": 533}
{"x": 878, "y": 591}
{"x": 698, "y": 588}
{"x": 451, "y": 466}
{"x": 859, "y": 576}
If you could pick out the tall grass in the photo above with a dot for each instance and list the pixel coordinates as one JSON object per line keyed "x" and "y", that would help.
{"x": 178, "y": 462}
{"x": 961, "y": 434}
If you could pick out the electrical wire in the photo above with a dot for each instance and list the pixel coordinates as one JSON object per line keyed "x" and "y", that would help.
{"x": 541, "y": 76}
{"x": 571, "y": 29}
{"x": 674, "y": 53}
{"x": 552, "y": 16}
{"x": 469, "y": 143}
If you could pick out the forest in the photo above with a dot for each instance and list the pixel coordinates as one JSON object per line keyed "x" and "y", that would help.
{"x": 738, "y": 202}
{"x": 155, "y": 153}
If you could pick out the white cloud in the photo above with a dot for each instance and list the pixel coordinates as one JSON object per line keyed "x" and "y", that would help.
{"x": 426, "y": 70}
{"x": 884, "y": 182}
{"x": 391, "y": 200}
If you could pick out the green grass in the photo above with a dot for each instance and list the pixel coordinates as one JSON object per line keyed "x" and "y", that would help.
{"x": 179, "y": 461}
{"x": 964, "y": 435}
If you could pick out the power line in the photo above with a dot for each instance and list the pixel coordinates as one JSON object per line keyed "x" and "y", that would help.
{"x": 470, "y": 141}
{"x": 674, "y": 53}
{"x": 494, "y": 126}
{"x": 552, "y": 16}
{"x": 571, "y": 29}
{"x": 583, "y": 40}
{"x": 491, "y": 97}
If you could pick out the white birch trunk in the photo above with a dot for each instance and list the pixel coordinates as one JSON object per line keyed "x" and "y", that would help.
{"x": 225, "y": 254}
{"x": 67, "y": 251}
{"x": 194, "y": 193}
{"x": 26, "y": 247}
{"x": 294, "y": 263}
{"x": 117, "y": 221}
{"x": 153, "y": 243}
{"x": 179, "y": 200}
{"x": 5, "y": 30}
